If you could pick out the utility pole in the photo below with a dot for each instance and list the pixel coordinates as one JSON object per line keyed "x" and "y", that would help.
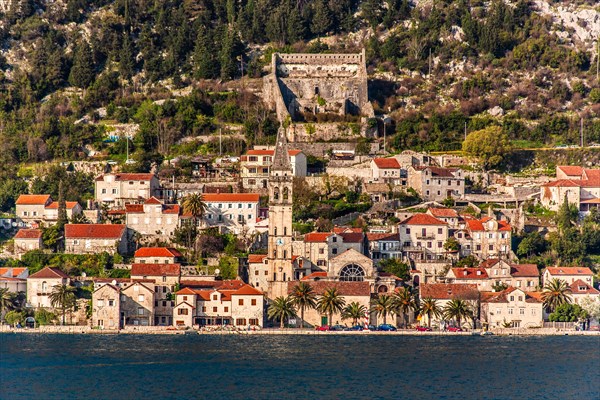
{"x": 581, "y": 132}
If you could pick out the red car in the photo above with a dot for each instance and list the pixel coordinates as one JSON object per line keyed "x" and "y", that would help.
{"x": 423, "y": 329}
{"x": 454, "y": 329}
{"x": 323, "y": 328}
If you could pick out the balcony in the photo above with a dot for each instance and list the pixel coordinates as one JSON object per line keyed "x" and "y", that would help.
{"x": 426, "y": 236}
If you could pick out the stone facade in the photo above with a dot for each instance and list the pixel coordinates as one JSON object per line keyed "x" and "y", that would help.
{"x": 41, "y": 284}
{"x": 153, "y": 219}
{"x": 35, "y": 209}
{"x": 512, "y": 307}
{"x": 106, "y": 307}
{"x": 233, "y": 212}
{"x": 96, "y": 238}
{"x": 117, "y": 189}
{"x": 435, "y": 183}
{"x": 255, "y": 167}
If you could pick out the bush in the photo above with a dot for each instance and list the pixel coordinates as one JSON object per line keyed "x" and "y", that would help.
{"x": 15, "y": 317}
{"x": 44, "y": 317}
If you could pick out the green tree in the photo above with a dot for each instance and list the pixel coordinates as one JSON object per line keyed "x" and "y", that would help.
{"x": 457, "y": 309}
{"x": 397, "y": 267}
{"x": 430, "y": 308}
{"x": 83, "y": 70}
{"x": 228, "y": 267}
{"x": 321, "y": 21}
{"x": 44, "y": 317}
{"x": 354, "y": 311}
{"x": 383, "y": 305}
{"x": 206, "y": 65}
{"x": 126, "y": 59}
{"x": 404, "y": 302}
{"x": 6, "y": 300}
{"x": 490, "y": 144}
{"x": 451, "y": 244}
{"x": 14, "y": 317}
{"x": 532, "y": 244}
{"x": 63, "y": 297}
{"x": 567, "y": 312}
{"x": 304, "y": 297}
{"x": 567, "y": 215}
{"x": 555, "y": 293}
{"x": 282, "y": 308}
{"x": 331, "y": 302}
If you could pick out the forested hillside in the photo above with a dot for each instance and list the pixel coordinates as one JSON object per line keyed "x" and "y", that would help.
{"x": 434, "y": 67}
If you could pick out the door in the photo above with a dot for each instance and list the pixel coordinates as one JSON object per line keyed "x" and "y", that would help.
{"x": 323, "y": 321}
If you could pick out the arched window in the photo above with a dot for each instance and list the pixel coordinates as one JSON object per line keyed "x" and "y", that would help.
{"x": 286, "y": 193}
{"x": 44, "y": 287}
{"x": 276, "y": 193}
{"x": 352, "y": 273}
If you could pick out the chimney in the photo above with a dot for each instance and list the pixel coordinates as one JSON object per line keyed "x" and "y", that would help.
{"x": 465, "y": 272}
{"x": 478, "y": 272}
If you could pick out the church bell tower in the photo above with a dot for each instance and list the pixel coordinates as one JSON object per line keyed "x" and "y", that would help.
{"x": 280, "y": 218}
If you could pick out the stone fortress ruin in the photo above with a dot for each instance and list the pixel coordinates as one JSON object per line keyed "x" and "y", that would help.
{"x": 317, "y": 92}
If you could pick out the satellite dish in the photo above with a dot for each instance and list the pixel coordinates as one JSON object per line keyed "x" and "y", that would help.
{"x": 217, "y": 271}
{"x": 114, "y": 281}
{"x": 14, "y": 224}
{"x": 83, "y": 274}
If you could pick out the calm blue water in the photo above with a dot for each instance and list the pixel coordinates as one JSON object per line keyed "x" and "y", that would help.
{"x": 36, "y": 366}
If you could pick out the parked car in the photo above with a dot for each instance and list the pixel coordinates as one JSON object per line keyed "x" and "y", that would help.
{"x": 386, "y": 327}
{"x": 354, "y": 328}
{"x": 423, "y": 329}
{"x": 337, "y": 328}
{"x": 372, "y": 327}
{"x": 455, "y": 329}
{"x": 323, "y": 328}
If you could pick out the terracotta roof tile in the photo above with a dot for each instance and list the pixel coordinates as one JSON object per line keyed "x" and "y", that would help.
{"x": 69, "y": 204}
{"x": 256, "y": 258}
{"x": 49, "y": 273}
{"x": 270, "y": 152}
{"x": 353, "y": 237}
{"x": 231, "y": 197}
{"x": 524, "y": 270}
{"x": 32, "y": 199}
{"x": 470, "y": 273}
{"x": 447, "y": 291}
{"x": 576, "y": 285}
{"x": 94, "y": 231}
{"x": 570, "y": 271}
{"x": 442, "y": 172}
{"x": 344, "y": 288}
{"x": 153, "y": 200}
{"x": 158, "y": 252}
{"x": 155, "y": 269}
{"x": 247, "y": 290}
{"x": 443, "y": 212}
{"x": 317, "y": 237}
{"x": 571, "y": 170}
{"x": 387, "y": 163}
{"x": 315, "y": 276}
{"x": 11, "y": 272}
{"x": 422, "y": 219}
{"x": 29, "y": 234}
{"x": 129, "y": 177}
{"x": 134, "y": 208}
{"x": 374, "y": 237}
{"x": 502, "y": 297}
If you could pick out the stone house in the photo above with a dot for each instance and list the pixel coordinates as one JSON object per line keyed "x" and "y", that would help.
{"x": 258, "y": 271}
{"x": 118, "y": 303}
{"x": 525, "y": 277}
{"x": 443, "y": 293}
{"x": 96, "y": 238}
{"x": 383, "y": 246}
{"x": 580, "y": 186}
{"x": 423, "y": 237}
{"x": 138, "y": 304}
{"x": 233, "y": 212}
{"x": 106, "y": 307}
{"x": 166, "y": 279}
{"x": 388, "y": 170}
{"x": 485, "y": 238}
{"x": 470, "y": 276}
{"x": 581, "y": 290}
{"x": 14, "y": 279}
{"x": 447, "y": 215}
{"x": 40, "y": 208}
{"x": 153, "y": 219}
{"x": 320, "y": 247}
{"x": 569, "y": 274}
{"x": 255, "y": 167}
{"x": 27, "y": 240}
{"x": 116, "y": 190}
{"x": 41, "y": 284}
{"x": 436, "y": 183}
{"x": 512, "y": 307}
{"x": 157, "y": 255}
{"x": 359, "y": 292}
{"x": 226, "y": 303}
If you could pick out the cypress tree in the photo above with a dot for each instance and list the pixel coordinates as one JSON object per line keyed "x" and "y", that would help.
{"x": 206, "y": 66}
{"x": 321, "y": 22}
{"x": 126, "y": 59}
{"x": 82, "y": 73}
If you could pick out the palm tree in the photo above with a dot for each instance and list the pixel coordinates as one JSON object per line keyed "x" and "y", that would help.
{"x": 331, "y": 302}
{"x": 354, "y": 310}
{"x": 430, "y": 308}
{"x": 457, "y": 308}
{"x": 555, "y": 293}
{"x": 282, "y": 308}
{"x": 6, "y": 300}
{"x": 194, "y": 205}
{"x": 304, "y": 297}
{"x": 404, "y": 301}
{"x": 383, "y": 305}
{"x": 63, "y": 297}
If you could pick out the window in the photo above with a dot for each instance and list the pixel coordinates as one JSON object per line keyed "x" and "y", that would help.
{"x": 123, "y": 297}
{"x": 240, "y": 321}
{"x": 230, "y": 205}
{"x": 428, "y": 245}
{"x": 214, "y": 309}
{"x": 440, "y": 244}
{"x": 25, "y": 213}
{"x": 100, "y": 303}
{"x": 241, "y": 302}
{"x": 521, "y": 311}
{"x": 321, "y": 251}
{"x": 220, "y": 205}
{"x": 519, "y": 285}
{"x": 182, "y": 311}
{"x": 104, "y": 191}
{"x": 141, "y": 297}
{"x": 226, "y": 309}
{"x": 266, "y": 273}
{"x": 184, "y": 298}
{"x": 334, "y": 251}
{"x": 256, "y": 272}
{"x": 498, "y": 311}
{"x": 520, "y": 298}
{"x": 240, "y": 205}
{"x": 408, "y": 231}
{"x": 491, "y": 247}
{"x": 334, "y": 239}
{"x": 352, "y": 273}
{"x": 220, "y": 218}
{"x": 114, "y": 191}
{"x": 512, "y": 298}
{"x": 533, "y": 311}
{"x": 35, "y": 213}
{"x": 440, "y": 230}
{"x": 249, "y": 217}
{"x": 215, "y": 297}
{"x": 164, "y": 289}
{"x": 230, "y": 216}
{"x": 253, "y": 302}
{"x": 111, "y": 303}
{"x": 140, "y": 310}
{"x": 510, "y": 311}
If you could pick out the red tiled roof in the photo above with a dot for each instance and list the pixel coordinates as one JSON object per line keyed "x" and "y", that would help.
{"x": 32, "y": 199}
{"x": 352, "y": 237}
{"x": 490, "y": 262}
{"x": 344, "y": 288}
{"x": 588, "y": 289}
{"x": 171, "y": 209}
{"x": 153, "y": 200}
{"x": 94, "y": 231}
{"x": 524, "y": 270}
{"x": 256, "y": 258}
{"x": 315, "y": 276}
{"x": 593, "y": 181}
{"x": 155, "y": 269}
{"x": 442, "y": 172}
{"x": 470, "y": 273}
{"x": 443, "y": 212}
{"x": 385, "y": 163}
{"x": 317, "y": 237}
{"x": 346, "y": 229}
{"x": 247, "y": 290}
{"x": 270, "y": 152}
{"x": 447, "y": 291}
{"x": 54, "y": 205}
{"x": 422, "y": 219}
{"x": 477, "y": 224}
{"x": 157, "y": 252}
{"x": 134, "y": 208}
{"x": 569, "y": 271}
{"x": 129, "y": 177}
{"x": 49, "y": 273}
{"x": 186, "y": 290}
{"x": 374, "y": 237}
{"x": 13, "y": 271}
{"x": 502, "y": 297}
{"x": 29, "y": 234}
{"x": 571, "y": 170}
{"x": 231, "y": 197}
